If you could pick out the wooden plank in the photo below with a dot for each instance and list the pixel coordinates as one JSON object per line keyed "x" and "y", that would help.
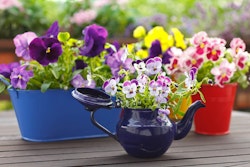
{"x": 194, "y": 150}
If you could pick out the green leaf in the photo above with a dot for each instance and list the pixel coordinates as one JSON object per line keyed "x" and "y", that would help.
{"x": 55, "y": 73}
{"x": 45, "y": 86}
{"x": 2, "y": 87}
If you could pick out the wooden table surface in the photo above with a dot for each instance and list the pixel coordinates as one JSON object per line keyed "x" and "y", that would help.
{"x": 194, "y": 150}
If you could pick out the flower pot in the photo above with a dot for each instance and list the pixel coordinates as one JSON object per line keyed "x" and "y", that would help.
{"x": 215, "y": 118}
{"x": 143, "y": 133}
{"x": 55, "y": 115}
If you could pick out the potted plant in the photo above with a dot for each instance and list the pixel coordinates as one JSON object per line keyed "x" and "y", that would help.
{"x": 227, "y": 68}
{"x": 157, "y": 42}
{"x": 41, "y": 83}
{"x": 223, "y": 67}
{"x": 146, "y": 96}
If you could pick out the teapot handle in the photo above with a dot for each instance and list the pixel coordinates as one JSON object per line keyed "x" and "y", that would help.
{"x": 98, "y": 125}
{"x": 94, "y": 99}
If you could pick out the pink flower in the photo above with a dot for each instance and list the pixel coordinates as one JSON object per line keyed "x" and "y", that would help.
{"x": 224, "y": 72}
{"x": 175, "y": 61}
{"x": 6, "y": 4}
{"x": 216, "y": 48}
{"x": 200, "y": 41}
{"x": 192, "y": 59}
{"x": 83, "y": 17}
{"x": 240, "y": 59}
{"x": 237, "y": 45}
{"x": 129, "y": 88}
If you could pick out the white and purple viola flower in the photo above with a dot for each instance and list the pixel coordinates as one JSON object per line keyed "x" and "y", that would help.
{"x": 155, "y": 87}
{"x": 110, "y": 86}
{"x": 163, "y": 115}
{"x": 129, "y": 88}
{"x": 190, "y": 80}
{"x": 153, "y": 65}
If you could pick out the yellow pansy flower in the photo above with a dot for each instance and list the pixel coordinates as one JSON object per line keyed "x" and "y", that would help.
{"x": 139, "y": 32}
{"x": 179, "y": 38}
{"x": 130, "y": 47}
{"x": 142, "y": 54}
{"x": 158, "y": 33}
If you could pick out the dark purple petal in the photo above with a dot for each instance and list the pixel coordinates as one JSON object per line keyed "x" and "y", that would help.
{"x": 95, "y": 39}
{"x": 155, "y": 49}
{"x": 80, "y": 64}
{"x": 53, "y": 31}
{"x": 166, "y": 57}
{"x": 193, "y": 72}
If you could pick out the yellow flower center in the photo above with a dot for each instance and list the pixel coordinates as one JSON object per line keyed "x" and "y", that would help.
{"x": 202, "y": 45}
{"x": 48, "y": 50}
{"x": 223, "y": 75}
{"x": 214, "y": 52}
{"x": 19, "y": 76}
{"x": 193, "y": 61}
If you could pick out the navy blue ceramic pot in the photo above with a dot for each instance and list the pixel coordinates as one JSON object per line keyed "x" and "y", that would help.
{"x": 142, "y": 135}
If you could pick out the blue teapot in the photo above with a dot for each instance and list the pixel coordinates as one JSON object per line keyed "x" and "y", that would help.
{"x": 139, "y": 131}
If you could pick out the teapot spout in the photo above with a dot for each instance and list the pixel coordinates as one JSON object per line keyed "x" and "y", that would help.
{"x": 184, "y": 126}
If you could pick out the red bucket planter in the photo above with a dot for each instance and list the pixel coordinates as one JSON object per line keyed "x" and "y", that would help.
{"x": 215, "y": 118}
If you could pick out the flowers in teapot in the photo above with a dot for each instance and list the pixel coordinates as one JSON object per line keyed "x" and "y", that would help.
{"x": 147, "y": 86}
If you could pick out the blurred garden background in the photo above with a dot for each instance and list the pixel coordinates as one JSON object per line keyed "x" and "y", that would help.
{"x": 223, "y": 18}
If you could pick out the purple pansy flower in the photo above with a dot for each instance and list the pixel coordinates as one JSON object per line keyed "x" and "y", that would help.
{"x": 155, "y": 51}
{"x": 77, "y": 81}
{"x": 6, "y": 69}
{"x": 95, "y": 39}
{"x": 118, "y": 61}
{"x": 20, "y": 76}
{"x": 45, "y": 50}
{"x": 22, "y": 42}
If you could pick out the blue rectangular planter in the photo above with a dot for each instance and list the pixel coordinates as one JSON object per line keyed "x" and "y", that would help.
{"x": 55, "y": 115}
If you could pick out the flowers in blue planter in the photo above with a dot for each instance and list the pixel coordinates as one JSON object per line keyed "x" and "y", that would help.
{"x": 57, "y": 61}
